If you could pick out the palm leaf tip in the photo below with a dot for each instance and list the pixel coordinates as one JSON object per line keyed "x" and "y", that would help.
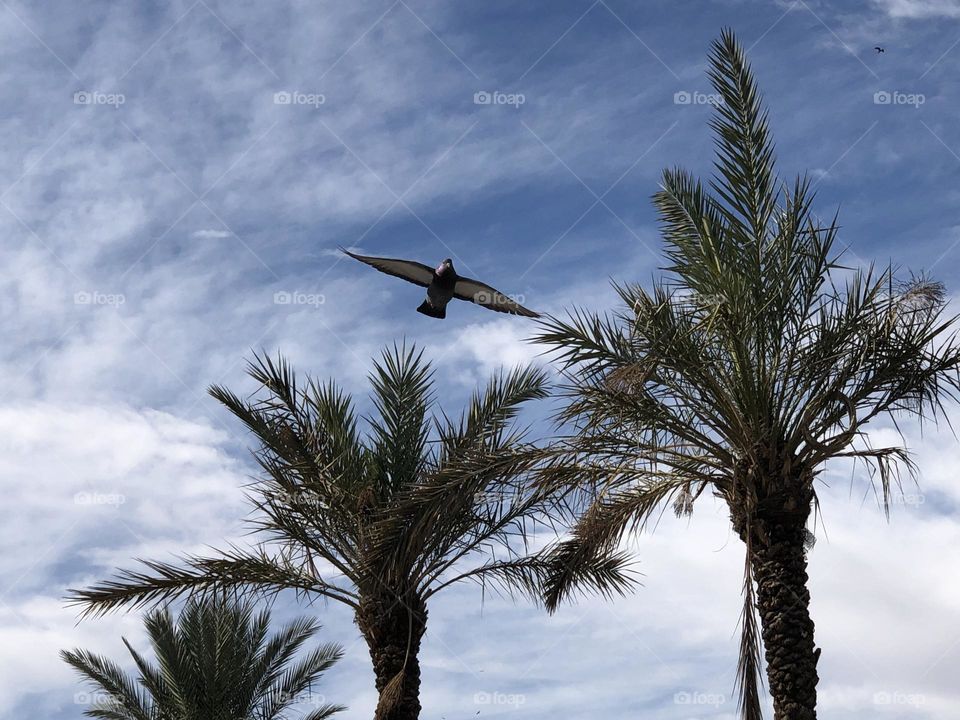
{"x": 922, "y": 292}
{"x": 574, "y": 570}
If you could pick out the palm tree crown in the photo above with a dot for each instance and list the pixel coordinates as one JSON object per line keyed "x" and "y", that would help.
{"x": 379, "y": 520}
{"x": 756, "y": 359}
{"x": 216, "y": 661}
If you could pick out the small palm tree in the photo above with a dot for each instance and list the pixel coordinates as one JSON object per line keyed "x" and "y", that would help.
{"x": 216, "y": 661}
{"x": 743, "y": 371}
{"x": 380, "y": 521}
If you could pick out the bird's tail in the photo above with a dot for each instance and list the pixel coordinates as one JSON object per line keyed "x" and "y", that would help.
{"x": 427, "y": 309}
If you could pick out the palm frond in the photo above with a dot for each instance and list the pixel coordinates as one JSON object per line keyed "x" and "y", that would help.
{"x": 297, "y": 680}
{"x": 234, "y": 570}
{"x": 401, "y": 383}
{"x": 745, "y": 161}
{"x": 323, "y": 711}
{"x": 216, "y": 660}
{"x": 125, "y": 699}
{"x": 749, "y": 678}
{"x": 596, "y": 536}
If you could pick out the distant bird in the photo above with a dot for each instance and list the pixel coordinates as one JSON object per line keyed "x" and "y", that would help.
{"x": 879, "y": 49}
{"x": 443, "y": 284}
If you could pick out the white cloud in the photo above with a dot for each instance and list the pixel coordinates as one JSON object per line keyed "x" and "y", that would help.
{"x": 481, "y": 348}
{"x": 88, "y": 481}
{"x": 33, "y": 632}
{"x": 88, "y": 488}
{"x": 205, "y": 234}
{"x": 915, "y": 9}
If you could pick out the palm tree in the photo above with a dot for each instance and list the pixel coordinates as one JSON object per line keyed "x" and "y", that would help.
{"x": 749, "y": 365}
{"x": 380, "y": 521}
{"x": 216, "y": 661}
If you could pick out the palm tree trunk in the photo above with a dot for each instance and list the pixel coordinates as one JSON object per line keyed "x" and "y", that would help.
{"x": 783, "y": 603}
{"x": 393, "y": 629}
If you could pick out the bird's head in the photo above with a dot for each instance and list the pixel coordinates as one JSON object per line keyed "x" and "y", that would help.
{"x": 443, "y": 267}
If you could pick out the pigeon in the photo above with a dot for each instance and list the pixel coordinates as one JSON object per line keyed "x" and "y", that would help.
{"x": 443, "y": 284}
{"x": 879, "y": 49}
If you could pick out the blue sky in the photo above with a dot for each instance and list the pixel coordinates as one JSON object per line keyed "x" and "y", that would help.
{"x": 155, "y": 199}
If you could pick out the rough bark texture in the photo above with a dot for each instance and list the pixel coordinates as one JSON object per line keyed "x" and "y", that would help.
{"x": 783, "y": 602}
{"x": 769, "y": 508}
{"x": 393, "y": 627}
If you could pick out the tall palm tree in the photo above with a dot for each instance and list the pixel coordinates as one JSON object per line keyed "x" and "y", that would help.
{"x": 756, "y": 359}
{"x": 379, "y": 520}
{"x": 216, "y": 661}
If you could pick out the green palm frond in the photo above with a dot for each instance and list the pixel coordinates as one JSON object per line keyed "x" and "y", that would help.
{"x": 297, "y": 680}
{"x": 745, "y": 161}
{"x": 323, "y": 711}
{"x": 749, "y": 678}
{"x": 216, "y": 661}
{"x": 595, "y": 538}
{"x": 258, "y": 571}
{"x": 401, "y": 384}
{"x": 280, "y": 650}
{"x": 475, "y": 494}
{"x": 491, "y": 411}
{"x": 125, "y": 699}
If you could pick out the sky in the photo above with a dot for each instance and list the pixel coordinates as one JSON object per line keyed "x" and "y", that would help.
{"x": 176, "y": 179}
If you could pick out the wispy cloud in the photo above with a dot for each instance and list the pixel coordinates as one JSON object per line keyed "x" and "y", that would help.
{"x": 919, "y": 8}
{"x": 205, "y": 234}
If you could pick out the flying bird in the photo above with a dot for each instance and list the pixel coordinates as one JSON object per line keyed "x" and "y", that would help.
{"x": 879, "y": 49}
{"x": 443, "y": 284}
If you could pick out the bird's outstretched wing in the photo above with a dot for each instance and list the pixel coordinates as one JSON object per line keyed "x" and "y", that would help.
{"x": 482, "y": 294}
{"x": 417, "y": 273}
